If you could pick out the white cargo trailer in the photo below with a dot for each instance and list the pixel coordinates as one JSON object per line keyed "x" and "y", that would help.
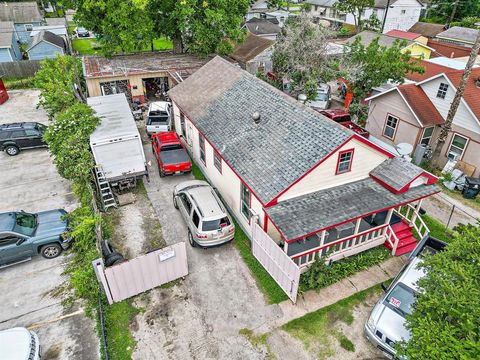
{"x": 116, "y": 143}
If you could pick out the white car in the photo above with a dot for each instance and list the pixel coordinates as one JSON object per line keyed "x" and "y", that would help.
{"x": 323, "y": 98}
{"x": 19, "y": 344}
{"x": 159, "y": 117}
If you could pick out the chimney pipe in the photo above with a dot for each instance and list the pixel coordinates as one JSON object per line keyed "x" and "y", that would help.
{"x": 256, "y": 117}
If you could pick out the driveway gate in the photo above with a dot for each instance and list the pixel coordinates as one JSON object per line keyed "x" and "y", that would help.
{"x": 278, "y": 264}
{"x": 142, "y": 273}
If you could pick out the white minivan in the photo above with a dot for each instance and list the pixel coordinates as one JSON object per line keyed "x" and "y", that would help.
{"x": 19, "y": 344}
{"x": 159, "y": 117}
{"x": 322, "y": 99}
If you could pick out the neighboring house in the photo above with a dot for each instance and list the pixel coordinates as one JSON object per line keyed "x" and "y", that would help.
{"x": 138, "y": 75}
{"x": 458, "y": 35}
{"x": 449, "y": 50}
{"x": 254, "y": 54}
{"x": 260, "y": 10}
{"x": 46, "y": 45}
{"x": 413, "y": 113}
{"x": 9, "y": 49}
{"x": 428, "y": 30}
{"x": 401, "y": 14}
{"x": 315, "y": 187}
{"x": 263, "y": 28}
{"x": 416, "y": 47}
{"x": 24, "y": 15}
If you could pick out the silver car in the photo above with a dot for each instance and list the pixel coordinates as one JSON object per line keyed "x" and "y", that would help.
{"x": 386, "y": 325}
{"x": 208, "y": 222}
{"x": 19, "y": 344}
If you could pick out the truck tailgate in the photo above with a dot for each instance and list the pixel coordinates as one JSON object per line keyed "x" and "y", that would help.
{"x": 176, "y": 156}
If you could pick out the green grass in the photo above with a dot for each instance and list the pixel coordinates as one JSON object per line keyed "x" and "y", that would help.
{"x": 19, "y": 83}
{"x": 265, "y": 282}
{"x": 316, "y": 331}
{"x": 118, "y": 317}
{"x": 162, "y": 44}
{"x": 92, "y": 46}
{"x": 437, "y": 229}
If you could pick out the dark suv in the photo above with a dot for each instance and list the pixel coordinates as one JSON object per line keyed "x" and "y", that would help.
{"x": 19, "y": 136}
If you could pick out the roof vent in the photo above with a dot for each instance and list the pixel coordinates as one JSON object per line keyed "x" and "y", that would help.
{"x": 256, "y": 117}
{"x": 302, "y": 98}
{"x": 477, "y": 82}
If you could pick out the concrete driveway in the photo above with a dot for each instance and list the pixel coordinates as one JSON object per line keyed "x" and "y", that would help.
{"x": 199, "y": 318}
{"x": 30, "y": 182}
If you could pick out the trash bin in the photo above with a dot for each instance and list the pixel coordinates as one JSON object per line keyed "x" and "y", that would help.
{"x": 471, "y": 188}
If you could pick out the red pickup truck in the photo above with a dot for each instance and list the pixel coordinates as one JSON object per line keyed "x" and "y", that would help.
{"x": 345, "y": 119}
{"x": 172, "y": 158}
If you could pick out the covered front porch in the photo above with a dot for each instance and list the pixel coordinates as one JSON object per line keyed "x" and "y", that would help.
{"x": 345, "y": 223}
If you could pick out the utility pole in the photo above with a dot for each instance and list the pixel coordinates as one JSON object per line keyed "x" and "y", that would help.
{"x": 447, "y": 127}
{"x": 454, "y": 11}
{"x": 385, "y": 16}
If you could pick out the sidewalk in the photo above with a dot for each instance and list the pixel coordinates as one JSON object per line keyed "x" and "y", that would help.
{"x": 313, "y": 300}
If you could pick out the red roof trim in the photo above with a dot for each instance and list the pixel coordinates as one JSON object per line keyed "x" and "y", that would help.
{"x": 373, "y": 146}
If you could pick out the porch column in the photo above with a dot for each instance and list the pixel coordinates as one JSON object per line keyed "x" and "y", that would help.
{"x": 357, "y": 226}
{"x": 285, "y": 247}
{"x": 322, "y": 237}
{"x": 389, "y": 216}
{"x": 415, "y": 213}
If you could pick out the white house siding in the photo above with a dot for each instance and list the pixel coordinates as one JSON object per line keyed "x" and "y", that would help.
{"x": 323, "y": 176}
{"x": 463, "y": 117}
{"x": 264, "y": 58}
{"x": 408, "y": 128}
{"x": 397, "y": 20}
{"x": 227, "y": 182}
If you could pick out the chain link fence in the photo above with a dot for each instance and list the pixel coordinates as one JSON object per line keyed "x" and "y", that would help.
{"x": 450, "y": 212}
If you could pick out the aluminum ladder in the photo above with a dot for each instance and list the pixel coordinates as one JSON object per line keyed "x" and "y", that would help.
{"x": 105, "y": 190}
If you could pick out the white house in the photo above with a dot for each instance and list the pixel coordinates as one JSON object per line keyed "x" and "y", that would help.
{"x": 314, "y": 186}
{"x": 400, "y": 15}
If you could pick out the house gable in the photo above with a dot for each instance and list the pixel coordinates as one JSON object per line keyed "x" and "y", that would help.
{"x": 324, "y": 175}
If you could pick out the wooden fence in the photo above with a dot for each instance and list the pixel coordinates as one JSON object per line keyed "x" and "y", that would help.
{"x": 19, "y": 69}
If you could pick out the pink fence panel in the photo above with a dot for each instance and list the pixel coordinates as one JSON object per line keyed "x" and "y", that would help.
{"x": 278, "y": 264}
{"x": 144, "y": 272}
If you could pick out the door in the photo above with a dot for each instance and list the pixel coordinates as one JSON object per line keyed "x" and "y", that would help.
{"x": 20, "y": 138}
{"x": 11, "y": 252}
{"x": 34, "y": 138}
{"x": 185, "y": 206}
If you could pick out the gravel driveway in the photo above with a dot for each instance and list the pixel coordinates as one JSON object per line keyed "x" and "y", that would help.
{"x": 200, "y": 317}
{"x": 30, "y": 182}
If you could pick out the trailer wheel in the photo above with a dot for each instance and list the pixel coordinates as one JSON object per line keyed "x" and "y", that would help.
{"x": 113, "y": 258}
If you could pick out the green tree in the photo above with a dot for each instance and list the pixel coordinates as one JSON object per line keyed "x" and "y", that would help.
{"x": 366, "y": 67}
{"x": 445, "y": 322}
{"x": 60, "y": 83}
{"x": 300, "y": 56}
{"x": 355, "y": 7}
{"x": 443, "y": 10}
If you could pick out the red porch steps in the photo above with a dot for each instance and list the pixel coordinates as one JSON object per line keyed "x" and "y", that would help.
{"x": 406, "y": 240}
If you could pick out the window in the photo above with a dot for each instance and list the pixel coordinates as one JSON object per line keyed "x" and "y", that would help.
{"x": 427, "y": 135}
{"x": 18, "y": 134}
{"x": 245, "y": 201}
{"x": 390, "y": 127}
{"x": 28, "y": 27}
{"x": 31, "y": 132}
{"x": 217, "y": 224}
{"x": 182, "y": 124}
{"x": 344, "y": 163}
{"x": 457, "y": 147}
{"x": 217, "y": 161}
{"x": 186, "y": 203}
{"x": 404, "y": 11}
{"x": 442, "y": 91}
{"x": 195, "y": 219}
{"x": 201, "y": 142}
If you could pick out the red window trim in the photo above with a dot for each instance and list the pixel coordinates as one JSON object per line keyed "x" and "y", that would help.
{"x": 340, "y": 153}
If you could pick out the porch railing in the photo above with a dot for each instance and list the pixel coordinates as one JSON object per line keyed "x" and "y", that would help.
{"x": 391, "y": 238}
{"x": 410, "y": 214}
{"x": 334, "y": 248}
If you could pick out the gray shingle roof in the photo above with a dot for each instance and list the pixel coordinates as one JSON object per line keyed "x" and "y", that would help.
{"x": 20, "y": 12}
{"x": 368, "y": 36}
{"x": 396, "y": 172}
{"x": 460, "y": 33}
{"x": 6, "y": 34}
{"x": 262, "y": 27}
{"x": 313, "y": 212}
{"x": 290, "y": 139}
{"x": 49, "y": 37}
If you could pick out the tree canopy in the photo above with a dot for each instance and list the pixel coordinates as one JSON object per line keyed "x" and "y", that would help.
{"x": 445, "y": 322}
{"x": 355, "y": 7}
{"x": 441, "y": 10}
{"x": 196, "y": 26}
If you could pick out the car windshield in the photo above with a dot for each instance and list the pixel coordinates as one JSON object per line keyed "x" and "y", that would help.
{"x": 400, "y": 299}
{"x": 171, "y": 147}
{"x": 157, "y": 120}
{"x": 321, "y": 97}
{"x": 217, "y": 224}
{"x": 25, "y": 223}
{"x": 342, "y": 118}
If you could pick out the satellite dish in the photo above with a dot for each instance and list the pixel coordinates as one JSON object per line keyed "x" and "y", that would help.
{"x": 404, "y": 149}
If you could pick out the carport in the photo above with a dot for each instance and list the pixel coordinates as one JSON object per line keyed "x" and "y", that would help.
{"x": 155, "y": 87}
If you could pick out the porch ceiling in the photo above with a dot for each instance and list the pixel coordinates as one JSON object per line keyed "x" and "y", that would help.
{"x": 313, "y": 212}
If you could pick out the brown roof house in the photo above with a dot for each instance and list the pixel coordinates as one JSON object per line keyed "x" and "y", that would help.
{"x": 140, "y": 76}
{"x": 415, "y": 111}
{"x": 428, "y": 30}
{"x": 254, "y": 54}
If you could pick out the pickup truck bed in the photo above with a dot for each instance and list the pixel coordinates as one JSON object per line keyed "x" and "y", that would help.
{"x": 169, "y": 157}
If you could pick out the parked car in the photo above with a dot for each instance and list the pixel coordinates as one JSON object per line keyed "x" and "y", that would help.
{"x": 82, "y": 32}
{"x": 19, "y": 344}
{"x": 23, "y": 235}
{"x": 345, "y": 119}
{"x": 18, "y": 136}
{"x": 207, "y": 219}
{"x": 323, "y": 98}
{"x": 386, "y": 325}
{"x": 172, "y": 158}
{"x": 159, "y": 117}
